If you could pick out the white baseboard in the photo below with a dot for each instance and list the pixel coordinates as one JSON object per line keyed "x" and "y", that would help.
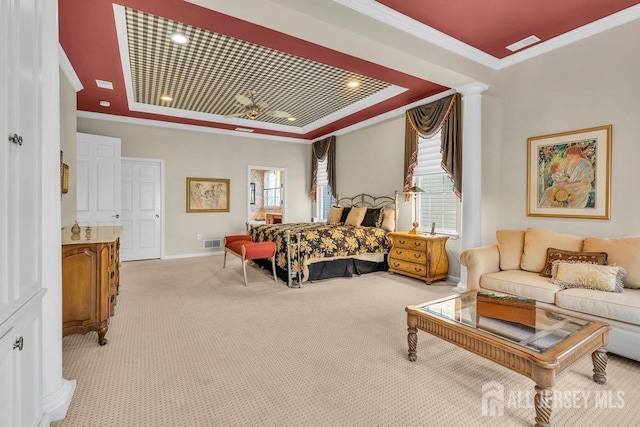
{"x": 196, "y": 255}
{"x": 56, "y": 404}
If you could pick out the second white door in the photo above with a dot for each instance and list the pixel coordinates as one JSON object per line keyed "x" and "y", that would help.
{"x": 141, "y": 209}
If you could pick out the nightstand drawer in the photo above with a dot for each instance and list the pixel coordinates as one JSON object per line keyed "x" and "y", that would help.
{"x": 408, "y": 255}
{"x": 409, "y": 243}
{"x": 407, "y": 267}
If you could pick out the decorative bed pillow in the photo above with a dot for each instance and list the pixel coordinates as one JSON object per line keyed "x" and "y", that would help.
{"x": 554, "y": 254}
{"x": 335, "y": 213}
{"x": 388, "y": 220}
{"x": 589, "y": 276}
{"x": 355, "y": 217}
{"x": 373, "y": 217}
{"x": 345, "y": 213}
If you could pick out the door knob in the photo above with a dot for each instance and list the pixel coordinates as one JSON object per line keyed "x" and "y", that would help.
{"x": 18, "y": 344}
{"x": 157, "y": 216}
{"x": 116, "y": 216}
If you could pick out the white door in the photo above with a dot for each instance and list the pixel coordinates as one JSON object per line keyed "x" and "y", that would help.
{"x": 141, "y": 209}
{"x": 98, "y": 180}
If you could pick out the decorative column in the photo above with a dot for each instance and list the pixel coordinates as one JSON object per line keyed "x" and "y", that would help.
{"x": 471, "y": 233}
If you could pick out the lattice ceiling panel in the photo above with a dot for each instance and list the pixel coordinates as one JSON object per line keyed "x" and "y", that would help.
{"x": 205, "y": 74}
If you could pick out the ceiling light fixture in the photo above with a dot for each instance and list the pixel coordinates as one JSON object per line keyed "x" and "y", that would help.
{"x": 528, "y": 41}
{"x": 244, "y": 130}
{"x": 105, "y": 103}
{"x": 166, "y": 98}
{"x": 291, "y": 119}
{"x": 353, "y": 84}
{"x": 179, "y": 38}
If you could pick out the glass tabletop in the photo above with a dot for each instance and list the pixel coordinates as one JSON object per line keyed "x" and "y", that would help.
{"x": 515, "y": 319}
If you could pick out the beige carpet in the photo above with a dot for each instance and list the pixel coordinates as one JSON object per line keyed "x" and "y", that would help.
{"x": 190, "y": 345}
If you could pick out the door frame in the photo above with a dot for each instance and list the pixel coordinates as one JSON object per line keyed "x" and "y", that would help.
{"x": 283, "y": 183}
{"x": 162, "y": 196}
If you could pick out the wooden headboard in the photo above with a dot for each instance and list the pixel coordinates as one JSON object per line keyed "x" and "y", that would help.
{"x": 369, "y": 201}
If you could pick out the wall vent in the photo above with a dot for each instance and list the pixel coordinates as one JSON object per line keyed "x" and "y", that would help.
{"x": 212, "y": 244}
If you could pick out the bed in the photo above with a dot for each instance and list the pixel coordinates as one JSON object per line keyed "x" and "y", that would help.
{"x": 315, "y": 251}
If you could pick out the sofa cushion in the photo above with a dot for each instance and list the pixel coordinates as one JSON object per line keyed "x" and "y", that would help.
{"x": 609, "y": 305}
{"x": 536, "y": 243}
{"x": 623, "y": 251}
{"x": 606, "y": 278}
{"x": 510, "y": 246}
{"x": 521, "y": 283}
{"x": 554, "y": 254}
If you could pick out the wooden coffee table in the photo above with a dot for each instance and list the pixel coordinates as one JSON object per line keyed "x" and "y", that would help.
{"x": 516, "y": 333}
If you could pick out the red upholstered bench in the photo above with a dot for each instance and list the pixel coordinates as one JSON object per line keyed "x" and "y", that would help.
{"x": 241, "y": 246}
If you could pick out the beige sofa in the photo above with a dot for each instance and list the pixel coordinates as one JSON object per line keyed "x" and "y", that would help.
{"x": 513, "y": 266}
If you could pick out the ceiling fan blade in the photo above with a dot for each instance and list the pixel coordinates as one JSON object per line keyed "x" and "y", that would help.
{"x": 235, "y": 115}
{"x": 279, "y": 114}
{"x": 262, "y": 105}
{"x": 242, "y": 99}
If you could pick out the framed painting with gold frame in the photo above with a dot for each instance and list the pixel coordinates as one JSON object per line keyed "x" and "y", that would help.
{"x": 208, "y": 195}
{"x": 569, "y": 174}
{"x": 64, "y": 176}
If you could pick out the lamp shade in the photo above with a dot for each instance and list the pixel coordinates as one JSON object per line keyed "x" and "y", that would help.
{"x": 413, "y": 190}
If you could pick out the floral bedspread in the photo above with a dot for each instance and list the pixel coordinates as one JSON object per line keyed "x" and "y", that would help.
{"x": 318, "y": 240}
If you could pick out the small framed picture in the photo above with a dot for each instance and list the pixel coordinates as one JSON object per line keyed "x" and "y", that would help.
{"x": 208, "y": 195}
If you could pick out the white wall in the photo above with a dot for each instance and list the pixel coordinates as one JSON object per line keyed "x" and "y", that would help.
{"x": 68, "y": 146}
{"x": 207, "y": 155}
{"x": 590, "y": 83}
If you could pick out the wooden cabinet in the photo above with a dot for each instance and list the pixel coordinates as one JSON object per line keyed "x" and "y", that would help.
{"x": 90, "y": 281}
{"x": 420, "y": 256}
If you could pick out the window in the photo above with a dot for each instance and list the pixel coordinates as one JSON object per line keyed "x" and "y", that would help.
{"x": 438, "y": 203}
{"x": 324, "y": 200}
{"x": 272, "y": 189}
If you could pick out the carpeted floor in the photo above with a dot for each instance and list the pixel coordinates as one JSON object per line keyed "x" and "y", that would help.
{"x": 190, "y": 345}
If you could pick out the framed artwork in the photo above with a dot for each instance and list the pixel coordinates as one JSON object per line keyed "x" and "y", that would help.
{"x": 64, "y": 176}
{"x": 252, "y": 193}
{"x": 569, "y": 174}
{"x": 207, "y": 195}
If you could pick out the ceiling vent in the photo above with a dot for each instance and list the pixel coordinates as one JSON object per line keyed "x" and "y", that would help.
{"x": 104, "y": 84}
{"x": 523, "y": 43}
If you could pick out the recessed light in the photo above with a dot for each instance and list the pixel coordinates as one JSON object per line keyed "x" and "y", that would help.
{"x": 104, "y": 84}
{"x": 166, "y": 98}
{"x": 353, "y": 84}
{"x": 523, "y": 43}
{"x": 179, "y": 38}
{"x": 244, "y": 130}
{"x": 291, "y": 119}
{"x": 105, "y": 103}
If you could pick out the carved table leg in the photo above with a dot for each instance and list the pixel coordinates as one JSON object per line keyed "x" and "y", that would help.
{"x": 599, "y": 358}
{"x": 543, "y": 402}
{"x": 412, "y": 336}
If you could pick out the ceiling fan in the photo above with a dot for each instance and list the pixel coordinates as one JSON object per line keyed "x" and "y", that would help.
{"x": 253, "y": 109}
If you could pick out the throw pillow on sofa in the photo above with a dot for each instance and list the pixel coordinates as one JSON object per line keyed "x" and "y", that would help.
{"x": 586, "y": 275}
{"x": 536, "y": 242}
{"x": 554, "y": 254}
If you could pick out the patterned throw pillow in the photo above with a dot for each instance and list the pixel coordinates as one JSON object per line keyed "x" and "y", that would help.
{"x": 588, "y": 276}
{"x": 373, "y": 217}
{"x": 554, "y": 254}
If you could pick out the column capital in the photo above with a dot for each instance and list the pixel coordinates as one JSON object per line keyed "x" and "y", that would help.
{"x": 473, "y": 88}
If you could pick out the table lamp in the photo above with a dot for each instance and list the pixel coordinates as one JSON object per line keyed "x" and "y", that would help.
{"x": 415, "y": 190}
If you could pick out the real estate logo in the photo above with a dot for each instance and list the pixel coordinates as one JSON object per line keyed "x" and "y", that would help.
{"x": 492, "y": 399}
{"x": 495, "y": 398}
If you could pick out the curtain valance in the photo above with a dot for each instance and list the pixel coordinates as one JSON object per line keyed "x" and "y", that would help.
{"x": 320, "y": 150}
{"x": 444, "y": 115}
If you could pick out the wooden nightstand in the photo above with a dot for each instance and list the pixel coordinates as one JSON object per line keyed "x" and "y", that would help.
{"x": 419, "y": 255}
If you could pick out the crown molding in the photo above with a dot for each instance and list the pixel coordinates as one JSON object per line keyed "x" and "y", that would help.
{"x": 409, "y": 25}
{"x": 182, "y": 126}
{"x": 67, "y": 69}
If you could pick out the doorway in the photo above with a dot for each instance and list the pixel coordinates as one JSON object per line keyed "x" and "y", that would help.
{"x": 266, "y": 190}
{"x": 142, "y": 208}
